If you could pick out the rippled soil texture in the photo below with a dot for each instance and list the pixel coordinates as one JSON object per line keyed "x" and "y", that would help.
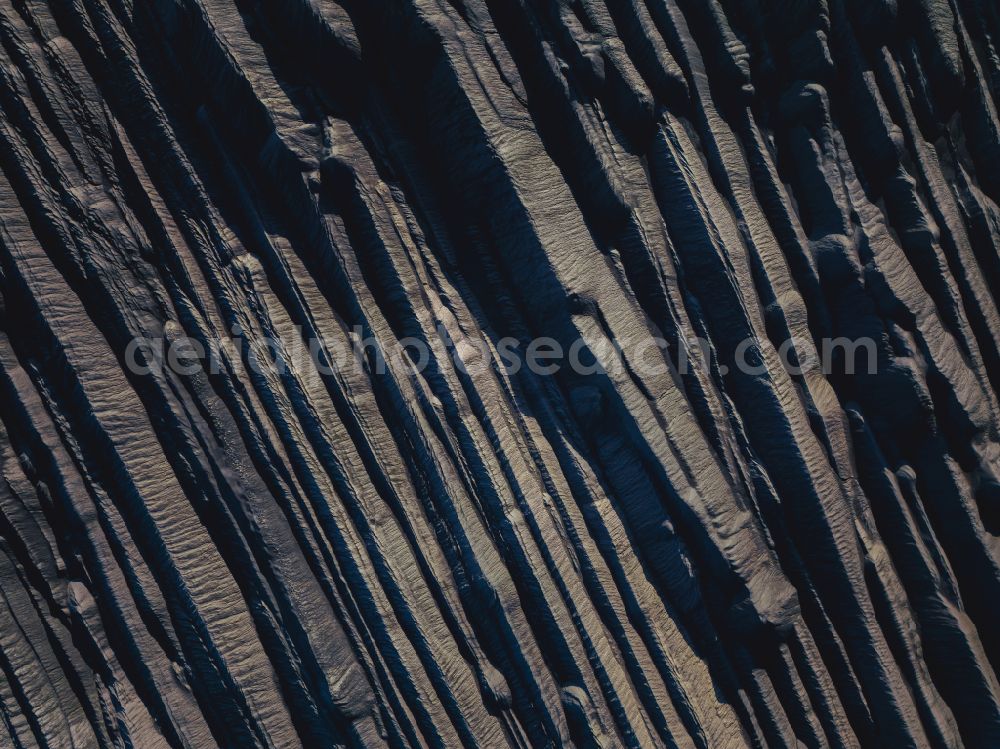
{"x": 448, "y": 556}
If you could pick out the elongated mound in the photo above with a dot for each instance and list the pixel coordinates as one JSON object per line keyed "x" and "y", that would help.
{"x": 488, "y": 373}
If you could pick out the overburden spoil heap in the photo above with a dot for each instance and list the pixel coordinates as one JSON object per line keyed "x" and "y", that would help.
{"x": 411, "y": 551}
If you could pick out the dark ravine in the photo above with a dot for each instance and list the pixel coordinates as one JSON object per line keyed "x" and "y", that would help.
{"x": 449, "y": 556}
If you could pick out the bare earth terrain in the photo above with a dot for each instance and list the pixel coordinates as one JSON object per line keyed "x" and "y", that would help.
{"x": 280, "y": 463}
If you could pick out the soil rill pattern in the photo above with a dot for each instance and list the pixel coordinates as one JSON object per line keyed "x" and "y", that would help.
{"x": 432, "y": 554}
